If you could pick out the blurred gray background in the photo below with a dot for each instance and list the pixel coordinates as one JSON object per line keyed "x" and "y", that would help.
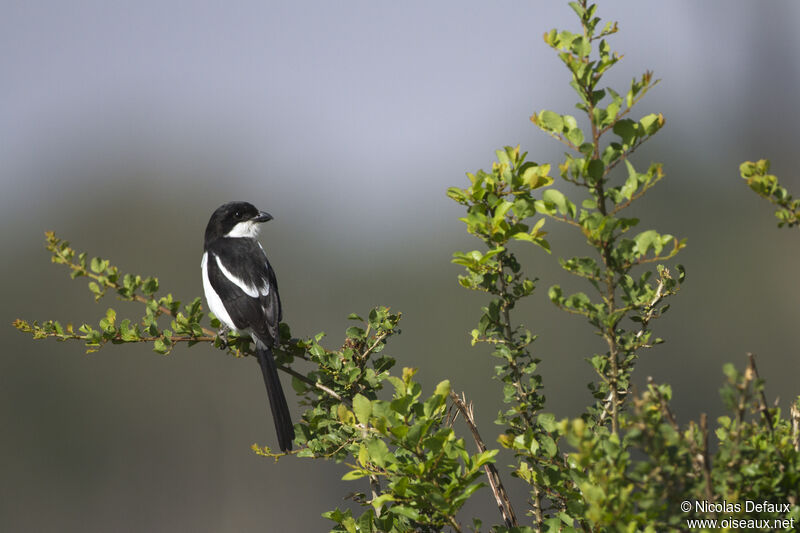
{"x": 124, "y": 124}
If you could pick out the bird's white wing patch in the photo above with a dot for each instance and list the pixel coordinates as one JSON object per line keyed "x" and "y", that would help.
{"x": 264, "y": 290}
{"x": 248, "y": 289}
{"x": 248, "y": 228}
{"x": 215, "y": 305}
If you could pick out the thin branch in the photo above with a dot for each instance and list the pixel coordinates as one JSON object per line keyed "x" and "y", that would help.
{"x": 634, "y": 197}
{"x": 456, "y": 526}
{"x": 500, "y": 495}
{"x": 111, "y": 285}
{"x": 558, "y": 136}
{"x": 563, "y": 218}
{"x": 662, "y": 402}
{"x": 572, "y": 311}
{"x": 78, "y": 337}
{"x": 378, "y": 340}
{"x": 651, "y": 311}
{"x": 633, "y": 103}
{"x": 704, "y": 458}
{"x": 762, "y": 403}
{"x": 614, "y": 393}
{"x": 311, "y": 383}
{"x": 210, "y": 337}
{"x": 651, "y": 306}
{"x": 509, "y": 336}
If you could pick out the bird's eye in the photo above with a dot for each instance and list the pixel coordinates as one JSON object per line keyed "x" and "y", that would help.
{"x": 237, "y": 215}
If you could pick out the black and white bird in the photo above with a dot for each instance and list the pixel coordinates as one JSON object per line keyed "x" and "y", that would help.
{"x": 241, "y": 290}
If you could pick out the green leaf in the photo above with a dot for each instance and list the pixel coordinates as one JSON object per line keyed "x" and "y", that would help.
{"x": 650, "y": 239}
{"x": 408, "y": 512}
{"x": 150, "y": 286}
{"x": 355, "y": 332}
{"x": 751, "y": 168}
{"x": 549, "y": 445}
{"x": 484, "y": 457}
{"x": 502, "y": 157}
{"x": 535, "y": 176}
{"x": 108, "y": 322}
{"x": 595, "y": 170}
{"x": 581, "y": 46}
{"x": 626, "y": 130}
{"x": 443, "y": 388}
{"x": 345, "y": 415}
{"x": 500, "y": 212}
{"x": 160, "y": 346}
{"x": 652, "y": 123}
{"x": 356, "y": 473}
{"x": 128, "y": 333}
{"x": 380, "y": 501}
{"x": 547, "y": 421}
{"x": 631, "y": 183}
{"x": 561, "y": 202}
{"x": 458, "y": 195}
{"x": 550, "y": 121}
{"x": 574, "y": 133}
{"x": 613, "y": 110}
{"x": 98, "y": 265}
{"x": 524, "y": 207}
{"x": 362, "y": 408}
{"x": 379, "y": 452}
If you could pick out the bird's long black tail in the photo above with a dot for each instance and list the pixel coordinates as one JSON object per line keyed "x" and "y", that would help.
{"x": 277, "y": 400}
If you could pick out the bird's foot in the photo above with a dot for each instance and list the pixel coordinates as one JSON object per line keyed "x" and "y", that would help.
{"x": 222, "y": 334}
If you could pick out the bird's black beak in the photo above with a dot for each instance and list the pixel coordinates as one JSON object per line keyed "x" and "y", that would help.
{"x": 262, "y": 217}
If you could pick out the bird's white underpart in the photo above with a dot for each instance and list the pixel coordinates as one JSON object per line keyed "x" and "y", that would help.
{"x": 215, "y": 305}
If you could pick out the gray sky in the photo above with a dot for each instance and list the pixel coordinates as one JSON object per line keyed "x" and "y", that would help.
{"x": 359, "y": 100}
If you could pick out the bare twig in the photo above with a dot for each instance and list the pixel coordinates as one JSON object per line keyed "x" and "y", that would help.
{"x": 703, "y": 458}
{"x": 378, "y": 339}
{"x": 651, "y": 306}
{"x": 456, "y": 526}
{"x": 762, "y": 398}
{"x": 563, "y": 218}
{"x": 500, "y": 495}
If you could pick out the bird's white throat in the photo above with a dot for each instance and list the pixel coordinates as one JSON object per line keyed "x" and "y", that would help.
{"x": 248, "y": 228}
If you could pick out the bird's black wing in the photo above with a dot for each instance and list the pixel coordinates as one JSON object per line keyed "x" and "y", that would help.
{"x": 241, "y": 275}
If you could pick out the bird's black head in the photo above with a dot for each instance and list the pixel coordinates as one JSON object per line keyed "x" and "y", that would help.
{"x": 235, "y": 219}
